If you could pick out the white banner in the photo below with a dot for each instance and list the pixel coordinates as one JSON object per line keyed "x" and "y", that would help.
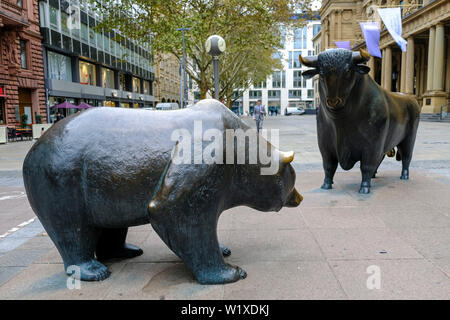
{"x": 392, "y": 19}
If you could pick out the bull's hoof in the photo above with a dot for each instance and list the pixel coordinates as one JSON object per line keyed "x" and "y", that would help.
{"x": 405, "y": 175}
{"x": 364, "y": 190}
{"x": 226, "y": 252}
{"x": 226, "y": 275}
{"x": 91, "y": 270}
{"x": 128, "y": 251}
{"x": 327, "y": 186}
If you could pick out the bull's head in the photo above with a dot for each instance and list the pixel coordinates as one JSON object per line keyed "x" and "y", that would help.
{"x": 337, "y": 69}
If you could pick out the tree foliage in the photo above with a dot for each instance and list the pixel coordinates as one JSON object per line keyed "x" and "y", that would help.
{"x": 251, "y": 29}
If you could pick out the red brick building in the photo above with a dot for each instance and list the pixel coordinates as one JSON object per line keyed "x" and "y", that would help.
{"x": 21, "y": 65}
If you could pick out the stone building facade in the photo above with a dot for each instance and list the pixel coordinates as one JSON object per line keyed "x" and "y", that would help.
{"x": 21, "y": 67}
{"x": 166, "y": 86}
{"x": 424, "y": 69}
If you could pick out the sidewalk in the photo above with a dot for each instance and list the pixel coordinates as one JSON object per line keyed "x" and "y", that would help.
{"x": 319, "y": 250}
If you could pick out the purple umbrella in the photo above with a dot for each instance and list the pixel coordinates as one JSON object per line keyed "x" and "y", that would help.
{"x": 84, "y": 105}
{"x": 64, "y": 105}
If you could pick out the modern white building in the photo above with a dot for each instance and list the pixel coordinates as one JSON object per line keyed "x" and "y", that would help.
{"x": 286, "y": 87}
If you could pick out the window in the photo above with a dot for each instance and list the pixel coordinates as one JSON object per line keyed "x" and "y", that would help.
{"x": 84, "y": 33}
{"x": 295, "y": 94}
{"x": 259, "y": 85}
{"x": 59, "y": 66}
{"x": 2, "y": 111}
{"x": 87, "y": 73}
{"x": 43, "y": 14}
{"x": 300, "y": 38}
{"x": 64, "y": 22}
{"x": 255, "y": 94}
{"x": 297, "y": 79}
{"x": 197, "y": 95}
{"x": 294, "y": 59}
{"x": 147, "y": 87}
{"x": 54, "y": 18}
{"x": 310, "y": 94}
{"x": 122, "y": 82}
{"x": 274, "y": 94}
{"x": 279, "y": 79}
{"x": 107, "y": 78}
{"x": 136, "y": 85}
{"x": 19, "y": 3}
{"x": 23, "y": 54}
{"x": 316, "y": 29}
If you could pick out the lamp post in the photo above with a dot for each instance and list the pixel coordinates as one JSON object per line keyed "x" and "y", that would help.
{"x": 215, "y": 46}
{"x": 183, "y": 93}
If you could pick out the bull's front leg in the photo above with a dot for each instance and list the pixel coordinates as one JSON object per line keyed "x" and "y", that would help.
{"x": 329, "y": 166}
{"x": 368, "y": 168}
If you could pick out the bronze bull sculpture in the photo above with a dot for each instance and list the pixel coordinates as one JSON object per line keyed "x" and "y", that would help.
{"x": 98, "y": 172}
{"x": 357, "y": 119}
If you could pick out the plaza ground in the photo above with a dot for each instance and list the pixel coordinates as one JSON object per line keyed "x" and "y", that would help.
{"x": 319, "y": 250}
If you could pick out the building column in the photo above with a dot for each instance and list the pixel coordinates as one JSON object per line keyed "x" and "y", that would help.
{"x": 409, "y": 84}
{"x": 439, "y": 47}
{"x": 388, "y": 69}
{"x": 372, "y": 67}
{"x": 403, "y": 73}
{"x": 383, "y": 63}
{"x": 447, "y": 75}
{"x": 430, "y": 59}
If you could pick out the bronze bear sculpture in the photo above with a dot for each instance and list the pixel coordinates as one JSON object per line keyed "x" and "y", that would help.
{"x": 357, "y": 119}
{"x": 98, "y": 172}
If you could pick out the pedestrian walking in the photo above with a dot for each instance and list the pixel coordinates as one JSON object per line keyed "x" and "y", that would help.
{"x": 258, "y": 115}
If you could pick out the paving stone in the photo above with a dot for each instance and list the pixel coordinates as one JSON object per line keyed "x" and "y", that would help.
{"x": 160, "y": 281}
{"x": 363, "y": 243}
{"x": 400, "y": 279}
{"x": 285, "y": 281}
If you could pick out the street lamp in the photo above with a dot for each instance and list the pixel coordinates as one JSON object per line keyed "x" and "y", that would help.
{"x": 183, "y": 93}
{"x": 215, "y": 46}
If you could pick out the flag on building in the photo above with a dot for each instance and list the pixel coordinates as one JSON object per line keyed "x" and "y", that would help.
{"x": 371, "y": 32}
{"x": 392, "y": 19}
{"x": 343, "y": 44}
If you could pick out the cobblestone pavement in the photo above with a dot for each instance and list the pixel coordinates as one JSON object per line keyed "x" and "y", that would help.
{"x": 327, "y": 248}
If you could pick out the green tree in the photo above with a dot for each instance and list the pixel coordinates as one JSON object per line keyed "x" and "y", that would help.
{"x": 251, "y": 29}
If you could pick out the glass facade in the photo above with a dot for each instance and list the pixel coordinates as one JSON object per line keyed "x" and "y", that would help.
{"x": 300, "y": 37}
{"x": 279, "y": 79}
{"x": 59, "y": 66}
{"x": 107, "y": 78}
{"x": 294, "y": 59}
{"x": 76, "y": 51}
{"x": 88, "y": 74}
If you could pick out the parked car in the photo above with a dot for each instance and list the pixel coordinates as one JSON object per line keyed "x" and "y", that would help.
{"x": 167, "y": 106}
{"x": 294, "y": 110}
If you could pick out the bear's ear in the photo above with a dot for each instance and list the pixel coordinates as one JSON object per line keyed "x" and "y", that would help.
{"x": 310, "y": 73}
{"x": 362, "y": 68}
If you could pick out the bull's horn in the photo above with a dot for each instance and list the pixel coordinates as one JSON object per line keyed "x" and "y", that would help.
{"x": 287, "y": 157}
{"x": 361, "y": 56}
{"x": 310, "y": 61}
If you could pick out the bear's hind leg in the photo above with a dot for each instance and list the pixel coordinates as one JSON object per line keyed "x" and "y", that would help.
{"x": 112, "y": 245}
{"x": 76, "y": 246}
